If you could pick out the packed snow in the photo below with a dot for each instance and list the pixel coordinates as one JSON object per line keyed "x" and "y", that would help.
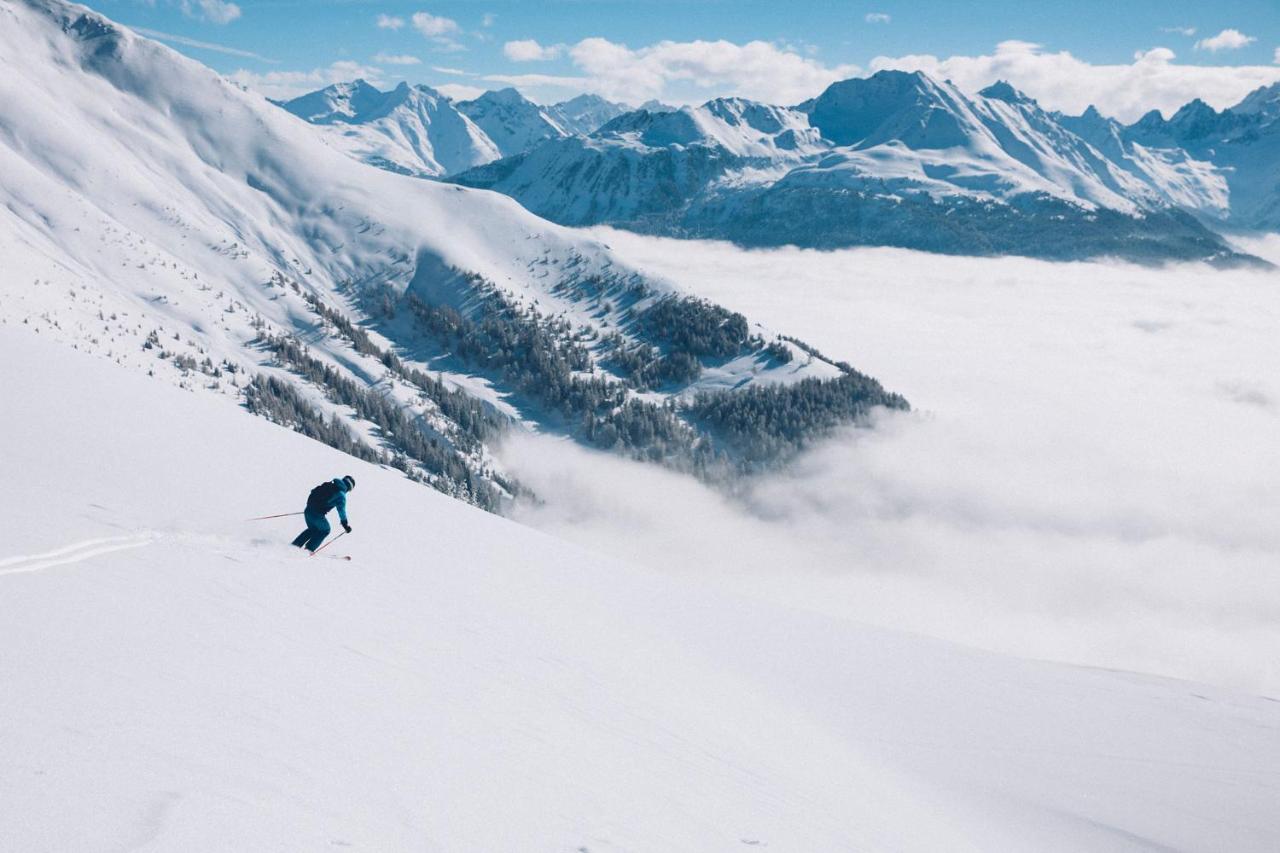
{"x": 179, "y": 679}
{"x": 1037, "y": 614}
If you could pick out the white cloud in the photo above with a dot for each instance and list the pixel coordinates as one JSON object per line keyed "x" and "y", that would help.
{"x": 1228, "y": 39}
{"x": 215, "y": 11}
{"x": 1182, "y": 31}
{"x": 1276, "y": 58}
{"x": 459, "y": 91}
{"x": 878, "y": 18}
{"x": 1061, "y": 81}
{"x": 696, "y": 70}
{"x": 440, "y": 31}
{"x": 1098, "y": 486}
{"x": 396, "y": 59}
{"x": 444, "y": 69}
{"x": 282, "y": 85}
{"x": 488, "y": 19}
{"x": 390, "y": 22}
{"x": 528, "y": 50}
{"x": 433, "y": 25}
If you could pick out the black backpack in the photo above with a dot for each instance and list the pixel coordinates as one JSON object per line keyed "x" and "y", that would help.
{"x": 318, "y": 500}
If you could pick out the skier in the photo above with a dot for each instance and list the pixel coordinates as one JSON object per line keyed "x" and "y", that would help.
{"x": 323, "y": 498}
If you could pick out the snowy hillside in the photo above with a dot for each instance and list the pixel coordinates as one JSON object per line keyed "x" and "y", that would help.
{"x": 512, "y": 121}
{"x": 897, "y": 159}
{"x": 156, "y": 213}
{"x": 412, "y": 129}
{"x": 179, "y": 680}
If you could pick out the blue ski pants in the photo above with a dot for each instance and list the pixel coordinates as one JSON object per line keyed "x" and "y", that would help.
{"x": 317, "y": 529}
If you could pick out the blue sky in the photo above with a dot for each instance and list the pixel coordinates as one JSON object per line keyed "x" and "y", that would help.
{"x": 781, "y": 51}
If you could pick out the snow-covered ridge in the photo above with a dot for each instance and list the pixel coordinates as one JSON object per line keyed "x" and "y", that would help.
{"x": 1237, "y": 151}
{"x": 411, "y": 129}
{"x": 886, "y": 159}
{"x": 416, "y": 130}
{"x": 157, "y": 214}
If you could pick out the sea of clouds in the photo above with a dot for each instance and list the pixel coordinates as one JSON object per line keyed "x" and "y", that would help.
{"x": 1091, "y": 472}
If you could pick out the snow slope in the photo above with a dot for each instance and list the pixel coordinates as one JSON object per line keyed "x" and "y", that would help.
{"x": 176, "y": 679}
{"x": 153, "y": 211}
{"x": 411, "y": 129}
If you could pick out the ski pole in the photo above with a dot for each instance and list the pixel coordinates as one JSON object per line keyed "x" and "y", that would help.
{"x": 281, "y": 515}
{"x": 330, "y": 542}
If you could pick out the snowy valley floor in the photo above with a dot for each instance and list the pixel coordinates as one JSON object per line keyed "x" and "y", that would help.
{"x": 175, "y": 679}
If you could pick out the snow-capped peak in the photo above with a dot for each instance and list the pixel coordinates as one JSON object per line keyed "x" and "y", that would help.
{"x": 1001, "y": 90}
{"x": 513, "y": 122}
{"x": 585, "y": 114}
{"x": 1263, "y": 101}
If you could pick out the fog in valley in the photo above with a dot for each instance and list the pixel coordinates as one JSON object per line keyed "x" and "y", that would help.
{"x": 1091, "y": 472}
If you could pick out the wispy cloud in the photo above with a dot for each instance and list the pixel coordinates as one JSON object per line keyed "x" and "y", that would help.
{"x": 459, "y": 91}
{"x": 389, "y": 22}
{"x": 283, "y": 85}
{"x": 214, "y": 11}
{"x": 878, "y": 18}
{"x": 396, "y": 59}
{"x": 528, "y": 50}
{"x": 439, "y": 30}
{"x": 1229, "y": 39}
{"x": 457, "y": 72}
{"x": 488, "y": 19}
{"x": 202, "y": 45}
{"x": 1182, "y": 31}
{"x": 694, "y": 70}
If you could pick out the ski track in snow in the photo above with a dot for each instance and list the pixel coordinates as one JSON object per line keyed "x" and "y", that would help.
{"x": 74, "y": 553}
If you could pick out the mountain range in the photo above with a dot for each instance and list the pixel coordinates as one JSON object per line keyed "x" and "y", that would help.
{"x": 897, "y": 158}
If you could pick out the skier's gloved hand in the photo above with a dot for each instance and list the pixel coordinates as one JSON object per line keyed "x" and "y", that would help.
{"x": 346, "y": 527}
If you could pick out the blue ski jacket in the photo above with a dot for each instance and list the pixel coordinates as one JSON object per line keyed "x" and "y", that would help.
{"x": 338, "y": 501}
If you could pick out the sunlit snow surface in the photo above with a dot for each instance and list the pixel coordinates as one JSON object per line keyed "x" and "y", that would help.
{"x": 177, "y": 679}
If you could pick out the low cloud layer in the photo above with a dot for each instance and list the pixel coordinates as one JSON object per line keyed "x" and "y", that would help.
{"x": 1090, "y": 475}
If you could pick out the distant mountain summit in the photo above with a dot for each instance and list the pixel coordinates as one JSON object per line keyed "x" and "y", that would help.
{"x": 416, "y": 130}
{"x": 512, "y": 121}
{"x": 586, "y": 113}
{"x": 412, "y": 129}
{"x": 1239, "y": 146}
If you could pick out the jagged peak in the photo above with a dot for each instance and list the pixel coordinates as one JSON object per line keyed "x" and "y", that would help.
{"x": 507, "y": 95}
{"x": 1264, "y": 100}
{"x": 1195, "y": 107}
{"x": 1002, "y": 90}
